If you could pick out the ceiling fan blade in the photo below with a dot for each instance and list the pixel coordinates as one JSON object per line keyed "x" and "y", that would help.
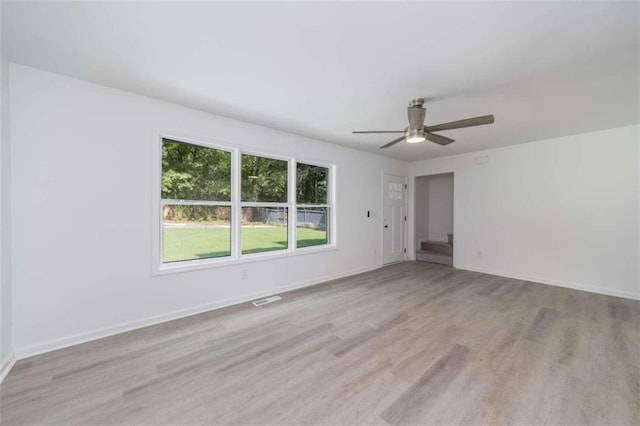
{"x": 440, "y": 140}
{"x": 393, "y": 142}
{"x": 469, "y": 122}
{"x": 378, "y": 131}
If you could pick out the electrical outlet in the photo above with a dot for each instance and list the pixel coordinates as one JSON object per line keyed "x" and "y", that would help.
{"x": 245, "y": 274}
{"x": 375, "y": 250}
{"x": 479, "y": 254}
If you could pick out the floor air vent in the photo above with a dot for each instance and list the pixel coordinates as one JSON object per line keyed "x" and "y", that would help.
{"x": 266, "y": 300}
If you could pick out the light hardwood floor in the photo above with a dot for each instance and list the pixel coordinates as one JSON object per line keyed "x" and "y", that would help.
{"x": 412, "y": 343}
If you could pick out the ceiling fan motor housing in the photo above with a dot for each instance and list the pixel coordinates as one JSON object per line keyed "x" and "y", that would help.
{"x": 416, "y": 114}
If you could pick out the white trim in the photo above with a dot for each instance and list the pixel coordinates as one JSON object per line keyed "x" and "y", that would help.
{"x": 203, "y": 142}
{"x": 546, "y": 281}
{"x": 165, "y": 201}
{"x": 381, "y": 216}
{"x": 314, "y": 163}
{"x": 405, "y": 226}
{"x": 328, "y": 231}
{"x": 292, "y": 218}
{"x": 6, "y": 365}
{"x": 156, "y": 196}
{"x": 253, "y": 153}
{"x": 159, "y": 267}
{"x": 195, "y": 265}
{"x": 332, "y": 217}
{"x": 333, "y": 208}
{"x": 236, "y": 210}
{"x": 158, "y": 202}
{"x": 263, "y": 204}
{"x": 411, "y": 221}
{"x": 79, "y": 338}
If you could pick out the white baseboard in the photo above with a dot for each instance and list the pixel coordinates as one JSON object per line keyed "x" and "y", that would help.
{"x": 79, "y": 338}
{"x": 6, "y": 365}
{"x": 599, "y": 290}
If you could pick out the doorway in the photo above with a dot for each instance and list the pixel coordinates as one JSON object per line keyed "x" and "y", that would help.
{"x": 394, "y": 218}
{"x": 434, "y": 200}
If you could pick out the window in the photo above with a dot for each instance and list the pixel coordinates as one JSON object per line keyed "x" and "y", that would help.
{"x": 218, "y": 204}
{"x": 264, "y": 204}
{"x": 196, "y": 202}
{"x": 313, "y": 209}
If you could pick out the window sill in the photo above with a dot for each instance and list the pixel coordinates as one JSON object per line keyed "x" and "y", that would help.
{"x": 196, "y": 265}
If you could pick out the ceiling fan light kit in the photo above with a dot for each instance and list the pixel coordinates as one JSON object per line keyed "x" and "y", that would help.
{"x": 417, "y": 132}
{"x": 414, "y": 136}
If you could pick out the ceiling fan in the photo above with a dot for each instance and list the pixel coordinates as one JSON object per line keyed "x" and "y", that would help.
{"x": 418, "y": 132}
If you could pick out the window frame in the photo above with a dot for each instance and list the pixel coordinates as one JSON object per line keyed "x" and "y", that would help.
{"x": 289, "y": 160}
{"x": 236, "y": 204}
{"x": 330, "y": 205}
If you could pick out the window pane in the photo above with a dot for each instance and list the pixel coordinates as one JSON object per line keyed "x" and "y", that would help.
{"x": 264, "y": 180}
{"x": 311, "y": 184}
{"x": 264, "y": 229}
{"x": 311, "y": 228}
{"x": 193, "y": 172}
{"x": 195, "y": 232}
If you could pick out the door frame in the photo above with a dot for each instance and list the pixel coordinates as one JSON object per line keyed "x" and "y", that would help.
{"x": 406, "y": 210}
{"x": 414, "y": 237}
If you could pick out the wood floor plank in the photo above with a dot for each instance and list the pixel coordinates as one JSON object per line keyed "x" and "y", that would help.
{"x": 410, "y": 343}
{"x": 407, "y": 409}
{"x": 542, "y": 325}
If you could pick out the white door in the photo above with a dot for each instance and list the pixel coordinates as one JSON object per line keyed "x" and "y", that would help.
{"x": 393, "y": 218}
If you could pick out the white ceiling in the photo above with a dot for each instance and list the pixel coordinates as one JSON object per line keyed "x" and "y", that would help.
{"x": 324, "y": 69}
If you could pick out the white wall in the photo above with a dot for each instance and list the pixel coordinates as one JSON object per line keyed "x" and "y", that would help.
{"x": 421, "y": 219}
{"x": 6, "y": 343}
{"x": 433, "y": 207}
{"x": 82, "y": 268}
{"x": 440, "y": 206}
{"x": 561, "y": 211}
